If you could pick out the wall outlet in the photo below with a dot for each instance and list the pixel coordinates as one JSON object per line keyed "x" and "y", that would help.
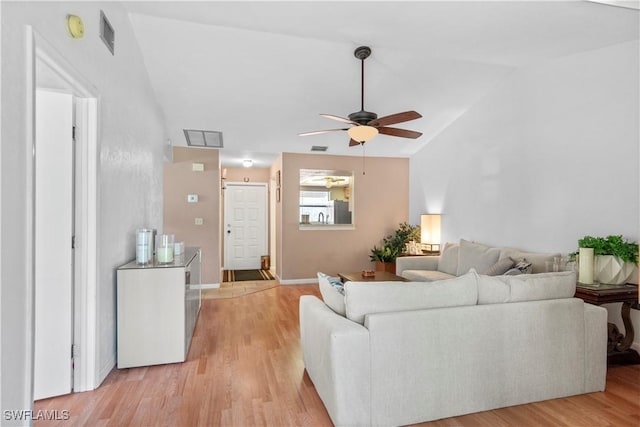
{"x": 199, "y": 221}
{"x": 197, "y": 167}
{"x": 192, "y": 198}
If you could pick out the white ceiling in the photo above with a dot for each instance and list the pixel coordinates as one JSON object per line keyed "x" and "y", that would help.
{"x": 262, "y": 72}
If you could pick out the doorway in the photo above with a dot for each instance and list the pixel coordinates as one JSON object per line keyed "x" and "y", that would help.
{"x": 245, "y": 225}
{"x": 55, "y": 74}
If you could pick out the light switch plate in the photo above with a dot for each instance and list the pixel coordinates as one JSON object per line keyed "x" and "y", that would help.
{"x": 199, "y": 221}
{"x": 192, "y": 198}
{"x": 197, "y": 167}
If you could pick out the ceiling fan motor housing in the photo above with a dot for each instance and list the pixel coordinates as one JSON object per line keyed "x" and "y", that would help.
{"x": 362, "y": 117}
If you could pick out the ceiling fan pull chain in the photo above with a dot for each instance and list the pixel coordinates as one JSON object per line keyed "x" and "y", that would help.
{"x": 362, "y": 143}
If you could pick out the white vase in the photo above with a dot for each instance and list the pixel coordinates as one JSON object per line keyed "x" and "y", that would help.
{"x": 585, "y": 266}
{"x": 611, "y": 270}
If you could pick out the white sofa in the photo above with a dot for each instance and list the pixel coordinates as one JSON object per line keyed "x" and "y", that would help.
{"x": 457, "y": 258}
{"x": 411, "y": 352}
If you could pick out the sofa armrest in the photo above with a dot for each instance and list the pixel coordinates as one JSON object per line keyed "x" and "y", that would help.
{"x": 595, "y": 331}
{"x": 416, "y": 263}
{"x": 336, "y": 356}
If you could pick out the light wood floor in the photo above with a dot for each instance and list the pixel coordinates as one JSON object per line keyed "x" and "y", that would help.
{"x": 245, "y": 368}
{"x": 236, "y": 289}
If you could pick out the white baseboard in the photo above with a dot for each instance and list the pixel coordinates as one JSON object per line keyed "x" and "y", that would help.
{"x": 104, "y": 371}
{"x": 310, "y": 281}
{"x": 206, "y": 286}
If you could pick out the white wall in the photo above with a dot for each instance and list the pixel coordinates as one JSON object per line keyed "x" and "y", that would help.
{"x": 131, "y": 144}
{"x": 548, "y": 156}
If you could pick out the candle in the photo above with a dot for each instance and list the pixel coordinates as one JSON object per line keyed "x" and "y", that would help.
{"x": 585, "y": 273}
{"x": 164, "y": 254}
{"x": 164, "y": 251}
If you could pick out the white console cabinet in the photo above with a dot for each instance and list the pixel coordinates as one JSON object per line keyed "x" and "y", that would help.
{"x": 157, "y": 310}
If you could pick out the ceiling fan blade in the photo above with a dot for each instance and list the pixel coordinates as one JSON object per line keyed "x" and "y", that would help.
{"x": 353, "y": 143}
{"x": 395, "y": 118}
{"x": 340, "y": 119}
{"x": 403, "y": 133}
{"x": 318, "y": 132}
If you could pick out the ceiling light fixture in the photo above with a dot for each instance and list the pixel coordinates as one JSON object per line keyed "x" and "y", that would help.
{"x": 247, "y": 163}
{"x": 362, "y": 133}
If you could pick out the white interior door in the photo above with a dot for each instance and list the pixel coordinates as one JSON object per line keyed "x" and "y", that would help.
{"x": 245, "y": 231}
{"x": 53, "y": 252}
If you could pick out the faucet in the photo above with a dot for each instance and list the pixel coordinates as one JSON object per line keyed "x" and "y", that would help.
{"x": 321, "y": 215}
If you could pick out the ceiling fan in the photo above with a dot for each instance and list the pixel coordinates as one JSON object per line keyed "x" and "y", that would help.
{"x": 365, "y": 124}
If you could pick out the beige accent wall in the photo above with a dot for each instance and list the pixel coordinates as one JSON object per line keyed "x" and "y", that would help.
{"x": 179, "y": 215}
{"x": 247, "y": 174}
{"x": 381, "y": 203}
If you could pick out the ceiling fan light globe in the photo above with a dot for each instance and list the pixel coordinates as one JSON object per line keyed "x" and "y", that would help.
{"x": 362, "y": 133}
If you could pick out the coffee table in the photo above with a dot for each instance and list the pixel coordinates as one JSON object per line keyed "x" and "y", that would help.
{"x": 619, "y": 347}
{"x": 379, "y": 276}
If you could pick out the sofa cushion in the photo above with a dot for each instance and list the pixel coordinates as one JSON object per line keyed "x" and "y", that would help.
{"x": 332, "y": 292}
{"x": 362, "y": 298}
{"x": 448, "y": 262}
{"x": 526, "y": 287}
{"x": 542, "y": 286}
{"x": 500, "y": 267}
{"x": 537, "y": 259}
{"x": 426, "y": 275}
{"x": 475, "y": 255}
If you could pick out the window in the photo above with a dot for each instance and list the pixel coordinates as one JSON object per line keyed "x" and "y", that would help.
{"x": 326, "y": 198}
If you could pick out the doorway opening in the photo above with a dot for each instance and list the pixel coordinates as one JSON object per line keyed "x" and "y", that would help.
{"x": 51, "y": 72}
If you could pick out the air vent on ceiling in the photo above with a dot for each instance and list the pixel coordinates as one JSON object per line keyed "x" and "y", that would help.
{"x": 107, "y": 34}
{"x": 203, "y": 138}
{"x": 319, "y": 148}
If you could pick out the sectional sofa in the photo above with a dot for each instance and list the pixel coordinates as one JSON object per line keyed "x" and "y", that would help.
{"x": 394, "y": 353}
{"x": 458, "y": 258}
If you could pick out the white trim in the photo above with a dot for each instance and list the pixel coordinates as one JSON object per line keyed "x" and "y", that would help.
{"x": 86, "y": 374}
{"x": 206, "y": 286}
{"x": 309, "y": 281}
{"x": 29, "y": 208}
{"x": 106, "y": 369}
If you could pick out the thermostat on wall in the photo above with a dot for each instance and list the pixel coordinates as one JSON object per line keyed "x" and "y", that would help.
{"x": 192, "y": 198}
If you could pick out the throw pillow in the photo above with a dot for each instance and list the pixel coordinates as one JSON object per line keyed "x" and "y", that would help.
{"x": 448, "y": 262}
{"x": 537, "y": 259}
{"x": 512, "y": 272}
{"x": 524, "y": 266}
{"x": 475, "y": 255}
{"x": 332, "y": 292}
{"x": 500, "y": 267}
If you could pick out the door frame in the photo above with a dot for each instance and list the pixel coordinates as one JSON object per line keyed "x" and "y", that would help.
{"x": 86, "y": 96}
{"x": 224, "y": 215}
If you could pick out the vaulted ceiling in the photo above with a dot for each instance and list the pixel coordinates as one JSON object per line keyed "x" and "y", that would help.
{"x": 262, "y": 72}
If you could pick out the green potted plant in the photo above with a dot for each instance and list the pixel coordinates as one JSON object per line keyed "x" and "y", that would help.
{"x": 615, "y": 259}
{"x": 392, "y": 246}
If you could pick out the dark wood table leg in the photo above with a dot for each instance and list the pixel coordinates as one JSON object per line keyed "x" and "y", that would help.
{"x": 623, "y": 352}
{"x": 626, "y": 342}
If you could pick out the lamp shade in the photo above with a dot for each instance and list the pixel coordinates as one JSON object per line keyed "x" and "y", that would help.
{"x": 430, "y": 228}
{"x": 362, "y": 133}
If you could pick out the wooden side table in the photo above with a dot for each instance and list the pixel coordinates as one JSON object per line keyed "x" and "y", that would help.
{"x": 619, "y": 346}
{"x": 379, "y": 276}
